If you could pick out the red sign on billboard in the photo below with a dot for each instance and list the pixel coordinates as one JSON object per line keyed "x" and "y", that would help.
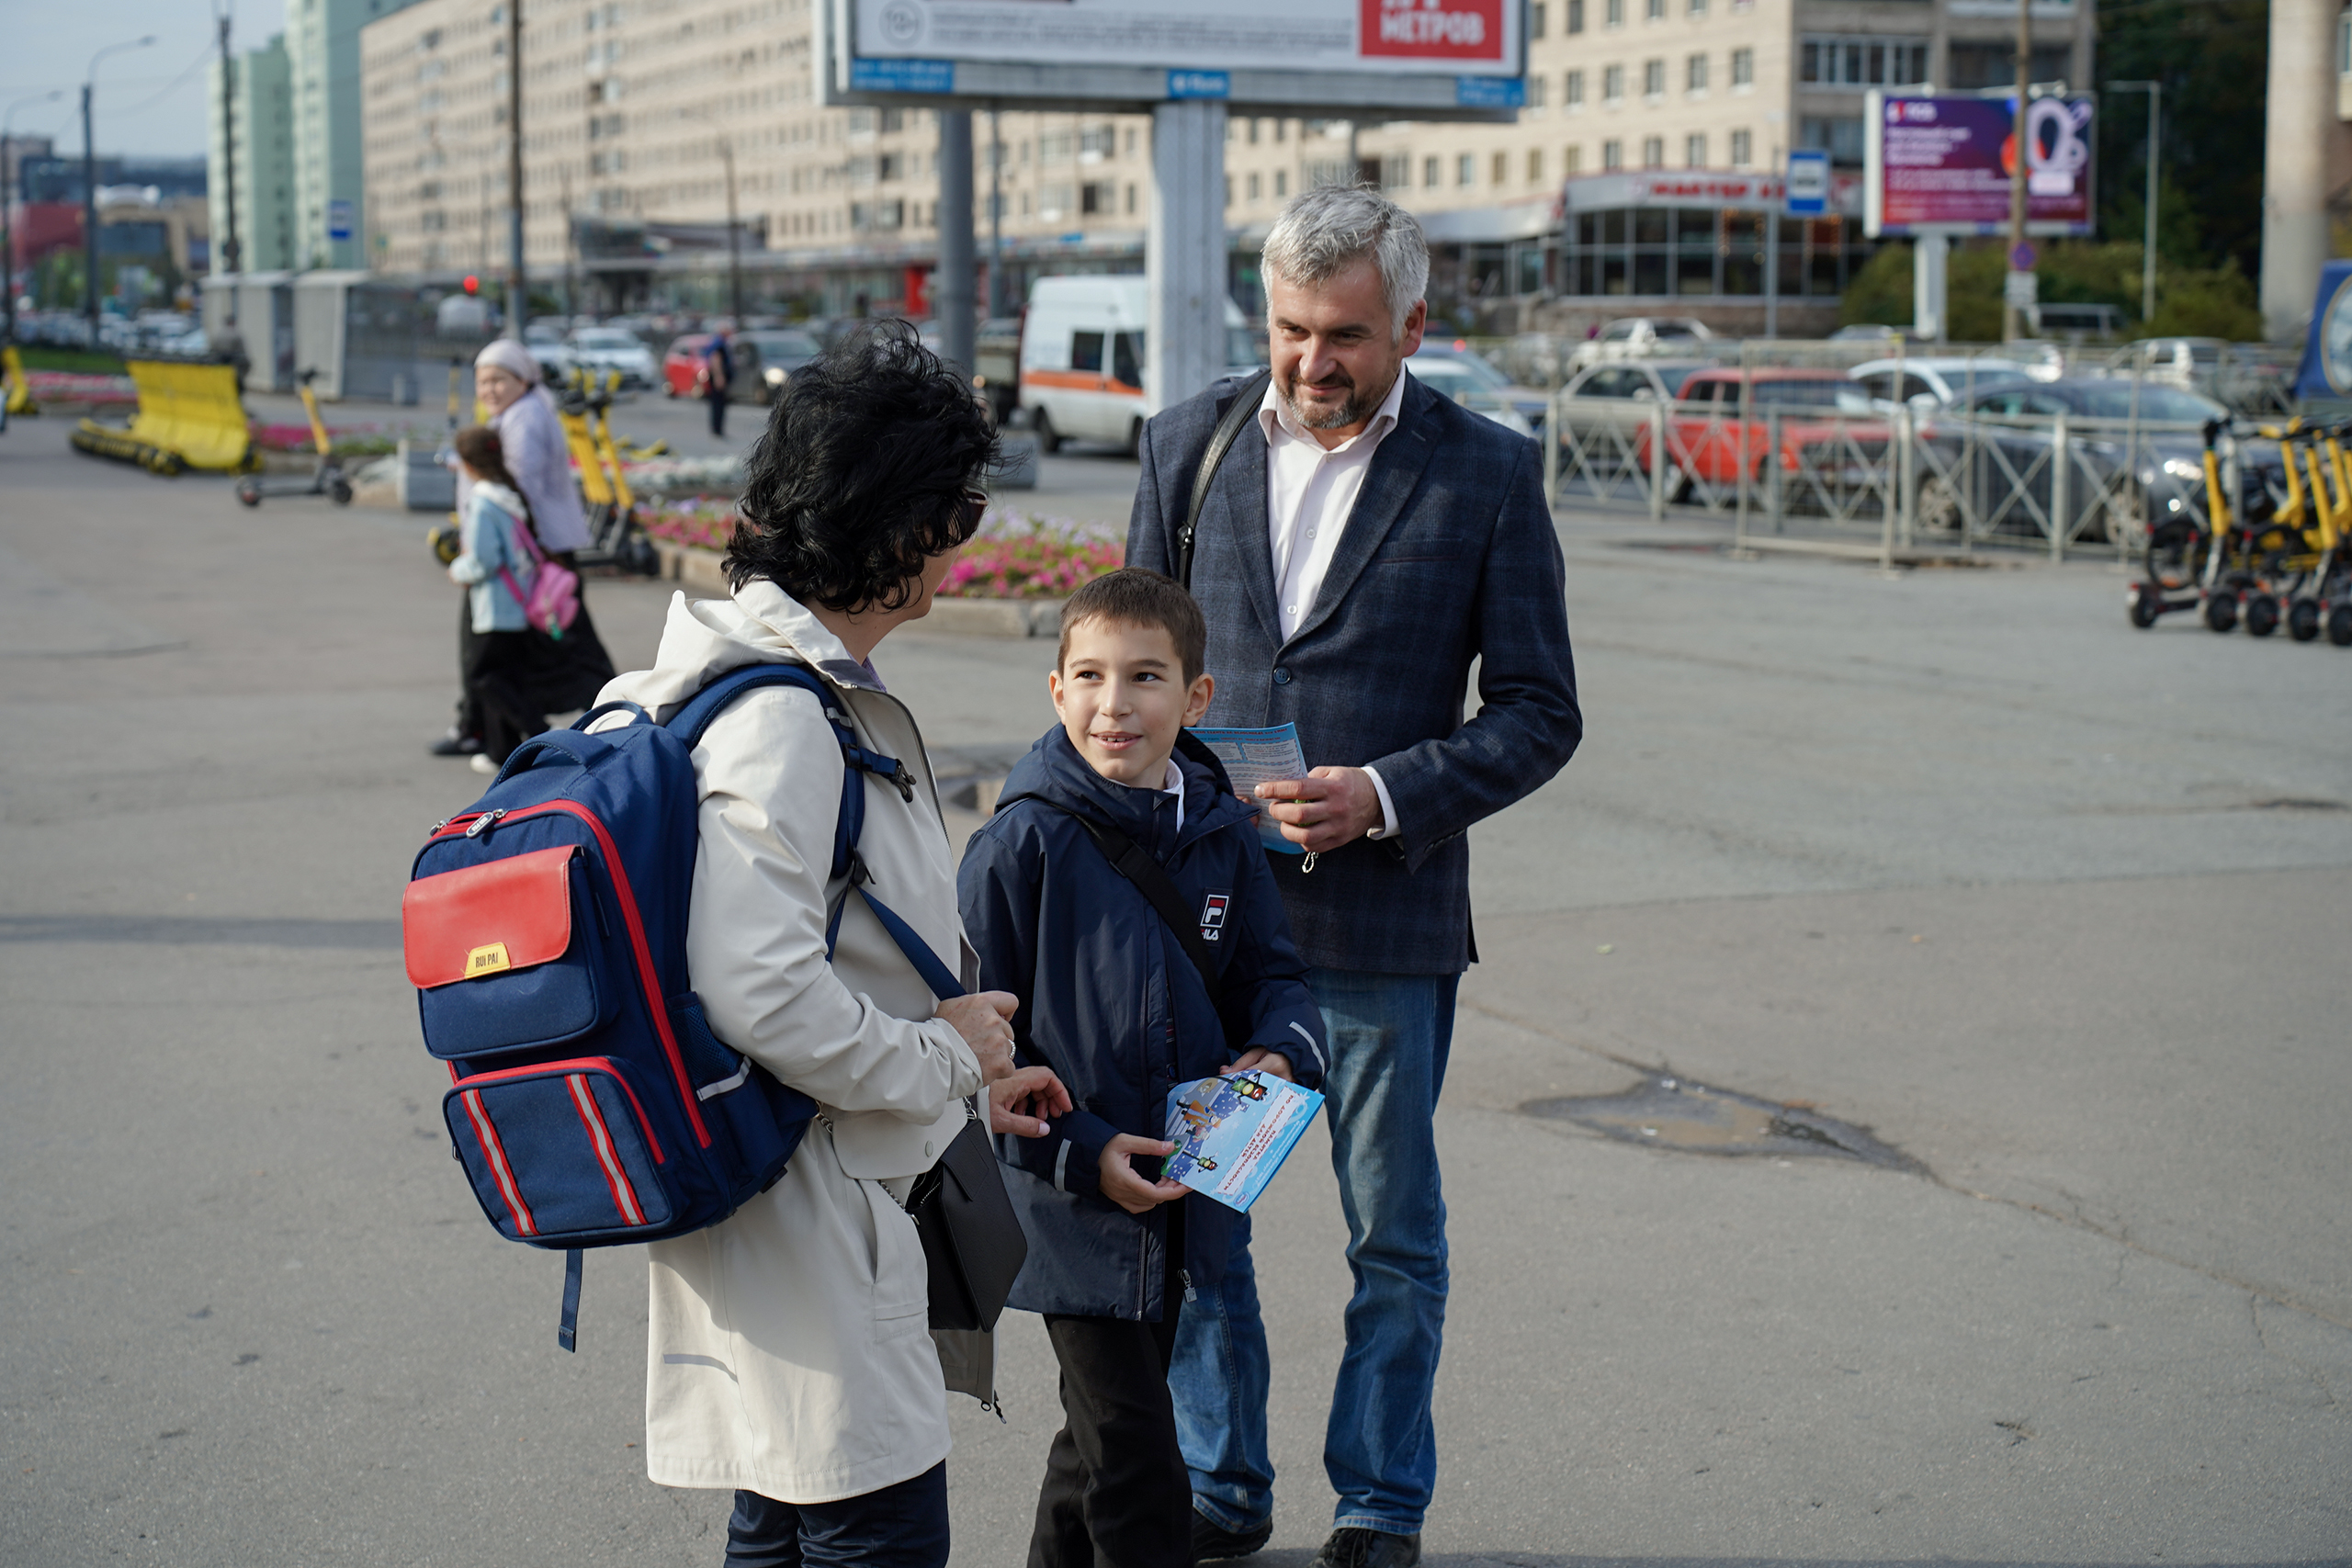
{"x": 1433, "y": 29}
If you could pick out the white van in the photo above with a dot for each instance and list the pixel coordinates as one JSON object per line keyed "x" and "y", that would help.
{"x": 1082, "y": 358}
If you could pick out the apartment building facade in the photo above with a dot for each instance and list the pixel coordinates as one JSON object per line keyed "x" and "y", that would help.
{"x": 260, "y": 128}
{"x": 1638, "y": 171}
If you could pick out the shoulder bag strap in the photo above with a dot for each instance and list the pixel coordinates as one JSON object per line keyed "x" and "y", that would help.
{"x": 1150, "y": 879}
{"x": 1240, "y": 413}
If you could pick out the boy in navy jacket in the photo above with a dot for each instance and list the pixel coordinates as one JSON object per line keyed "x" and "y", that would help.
{"x": 1113, "y": 1003}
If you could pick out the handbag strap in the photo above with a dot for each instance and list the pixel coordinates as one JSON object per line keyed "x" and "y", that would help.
{"x": 1243, "y": 407}
{"x": 1150, "y": 879}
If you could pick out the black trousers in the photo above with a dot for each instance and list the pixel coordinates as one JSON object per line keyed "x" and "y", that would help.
{"x": 497, "y": 677}
{"x": 560, "y": 676}
{"x": 1116, "y": 1492}
{"x": 903, "y": 1526}
{"x": 718, "y": 402}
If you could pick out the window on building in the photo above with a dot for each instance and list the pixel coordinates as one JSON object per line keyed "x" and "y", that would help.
{"x": 1131, "y": 141}
{"x": 1694, "y": 150}
{"x": 1694, "y": 73}
{"x": 1255, "y": 190}
{"x": 1994, "y": 64}
{"x": 1653, "y": 79}
{"x": 891, "y": 167}
{"x": 894, "y": 120}
{"x": 1840, "y": 136}
{"x": 1572, "y": 90}
{"x": 1430, "y": 177}
{"x": 1281, "y": 185}
{"x": 1535, "y": 19}
{"x": 1536, "y": 166}
{"x": 1742, "y": 145}
{"x": 1612, "y": 84}
{"x": 1743, "y": 68}
{"x": 1253, "y": 130}
{"x": 1466, "y": 170}
{"x": 1697, "y": 7}
{"x": 1131, "y": 198}
{"x": 1653, "y": 152}
{"x": 1099, "y": 198}
{"x": 1862, "y": 61}
{"x": 1536, "y": 87}
{"x": 1653, "y": 10}
{"x": 1228, "y": 190}
{"x": 1396, "y": 172}
{"x": 1575, "y": 15}
{"x": 1571, "y": 160}
{"x": 1612, "y": 155}
{"x": 1614, "y": 13}
{"x": 1099, "y": 141}
{"x": 1502, "y": 175}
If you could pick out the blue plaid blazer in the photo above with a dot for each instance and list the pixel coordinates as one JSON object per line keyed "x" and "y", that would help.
{"x": 1449, "y": 558}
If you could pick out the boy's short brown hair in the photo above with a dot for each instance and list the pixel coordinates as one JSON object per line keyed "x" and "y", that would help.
{"x": 1137, "y": 596}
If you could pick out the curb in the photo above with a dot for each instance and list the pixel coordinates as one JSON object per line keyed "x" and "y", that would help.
{"x": 693, "y": 568}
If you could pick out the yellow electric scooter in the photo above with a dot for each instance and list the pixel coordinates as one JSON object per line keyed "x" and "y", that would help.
{"x": 326, "y": 476}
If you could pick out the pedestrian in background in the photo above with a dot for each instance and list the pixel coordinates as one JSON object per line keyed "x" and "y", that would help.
{"x": 496, "y": 563}
{"x": 564, "y": 675}
{"x": 1364, "y": 544}
{"x": 717, "y": 373}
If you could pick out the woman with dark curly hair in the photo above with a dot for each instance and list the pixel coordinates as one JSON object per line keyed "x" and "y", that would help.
{"x": 788, "y": 1356}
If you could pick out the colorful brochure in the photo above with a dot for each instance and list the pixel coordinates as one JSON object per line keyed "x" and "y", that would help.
{"x": 1232, "y": 1133}
{"x": 1252, "y": 757}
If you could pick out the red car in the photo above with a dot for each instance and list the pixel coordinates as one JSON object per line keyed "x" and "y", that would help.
{"x": 1707, "y": 439}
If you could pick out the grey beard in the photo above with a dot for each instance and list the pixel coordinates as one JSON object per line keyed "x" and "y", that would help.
{"x": 1357, "y": 408}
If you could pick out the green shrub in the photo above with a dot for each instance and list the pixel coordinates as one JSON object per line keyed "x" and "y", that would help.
{"x": 2190, "y": 302}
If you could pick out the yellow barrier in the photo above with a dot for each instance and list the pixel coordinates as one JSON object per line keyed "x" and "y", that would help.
{"x": 189, "y": 417}
{"x": 20, "y": 391}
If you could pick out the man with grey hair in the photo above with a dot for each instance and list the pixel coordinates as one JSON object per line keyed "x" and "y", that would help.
{"x": 1364, "y": 544}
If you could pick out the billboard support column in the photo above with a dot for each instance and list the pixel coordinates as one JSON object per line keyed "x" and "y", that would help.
{"x": 1185, "y": 256}
{"x": 1930, "y": 259}
{"x": 2021, "y": 132}
{"x": 951, "y": 304}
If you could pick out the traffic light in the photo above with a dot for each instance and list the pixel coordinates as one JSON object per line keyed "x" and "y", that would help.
{"x": 473, "y": 283}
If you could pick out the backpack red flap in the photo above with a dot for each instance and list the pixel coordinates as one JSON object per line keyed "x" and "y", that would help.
{"x": 487, "y": 918}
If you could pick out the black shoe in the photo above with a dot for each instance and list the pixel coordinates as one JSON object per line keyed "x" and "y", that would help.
{"x": 1352, "y": 1547}
{"x": 1212, "y": 1543}
{"x": 455, "y": 745}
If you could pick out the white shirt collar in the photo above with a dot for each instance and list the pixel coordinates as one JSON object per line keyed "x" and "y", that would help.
{"x": 1175, "y": 786}
{"x": 1272, "y": 413}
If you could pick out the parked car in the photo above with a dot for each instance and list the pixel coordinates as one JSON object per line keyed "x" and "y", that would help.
{"x": 604, "y": 349}
{"x": 1994, "y": 454}
{"x": 1084, "y": 353}
{"x": 1930, "y": 382}
{"x": 545, "y": 340}
{"x": 1656, "y": 379}
{"x": 765, "y": 358}
{"x": 1828, "y": 429}
{"x": 1631, "y": 337}
{"x": 1454, "y": 359}
{"x": 1448, "y": 377}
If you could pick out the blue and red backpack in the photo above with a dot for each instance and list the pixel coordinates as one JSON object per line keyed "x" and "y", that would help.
{"x": 545, "y": 929}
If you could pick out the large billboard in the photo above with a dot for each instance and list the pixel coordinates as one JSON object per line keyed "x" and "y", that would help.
{"x": 1447, "y": 59}
{"x": 1941, "y": 165}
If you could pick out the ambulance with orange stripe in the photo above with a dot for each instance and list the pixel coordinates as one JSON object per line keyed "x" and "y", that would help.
{"x": 1082, "y": 358}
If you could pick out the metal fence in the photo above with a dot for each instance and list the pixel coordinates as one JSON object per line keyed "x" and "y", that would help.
{"x": 1898, "y": 480}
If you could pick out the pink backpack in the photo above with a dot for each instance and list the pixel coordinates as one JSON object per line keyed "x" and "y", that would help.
{"x": 552, "y": 603}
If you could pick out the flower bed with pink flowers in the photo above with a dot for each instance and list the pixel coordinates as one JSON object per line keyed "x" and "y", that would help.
{"x": 1014, "y": 555}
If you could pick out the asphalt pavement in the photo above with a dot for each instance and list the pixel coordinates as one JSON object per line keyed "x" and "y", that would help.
{"x": 2052, "y": 908}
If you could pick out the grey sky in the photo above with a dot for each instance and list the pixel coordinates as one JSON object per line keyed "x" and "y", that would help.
{"x": 150, "y": 100}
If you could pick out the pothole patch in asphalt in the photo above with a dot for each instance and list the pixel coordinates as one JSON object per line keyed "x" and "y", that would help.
{"x": 1694, "y": 1118}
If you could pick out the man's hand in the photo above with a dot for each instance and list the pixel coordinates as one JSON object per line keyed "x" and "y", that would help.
{"x": 1123, "y": 1186}
{"x": 1017, "y": 1103}
{"x": 1328, "y": 807}
{"x": 980, "y": 1019}
{"x": 1273, "y": 1063}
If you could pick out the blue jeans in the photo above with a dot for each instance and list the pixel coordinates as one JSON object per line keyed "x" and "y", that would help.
{"x": 1390, "y": 1035}
{"x": 901, "y": 1525}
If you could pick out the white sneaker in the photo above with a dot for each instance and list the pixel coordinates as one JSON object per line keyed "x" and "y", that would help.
{"x": 480, "y": 761}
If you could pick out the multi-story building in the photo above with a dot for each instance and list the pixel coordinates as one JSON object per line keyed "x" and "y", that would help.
{"x": 261, "y": 115}
{"x": 330, "y": 193}
{"x": 1637, "y": 176}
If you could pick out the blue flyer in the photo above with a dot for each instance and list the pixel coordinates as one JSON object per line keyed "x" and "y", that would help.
{"x": 1252, "y": 757}
{"x": 1232, "y": 1133}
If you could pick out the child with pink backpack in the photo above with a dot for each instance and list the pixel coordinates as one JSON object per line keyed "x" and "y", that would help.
{"x": 517, "y": 595}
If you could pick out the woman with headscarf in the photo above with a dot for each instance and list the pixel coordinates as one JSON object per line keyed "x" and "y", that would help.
{"x": 519, "y": 407}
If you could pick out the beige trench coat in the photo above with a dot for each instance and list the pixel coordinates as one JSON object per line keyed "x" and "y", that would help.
{"x": 789, "y": 1350}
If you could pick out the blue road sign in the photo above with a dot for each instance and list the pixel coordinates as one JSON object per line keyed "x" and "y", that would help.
{"x": 1808, "y": 183}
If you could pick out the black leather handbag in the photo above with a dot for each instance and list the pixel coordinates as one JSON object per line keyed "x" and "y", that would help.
{"x": 971, "y": 1237}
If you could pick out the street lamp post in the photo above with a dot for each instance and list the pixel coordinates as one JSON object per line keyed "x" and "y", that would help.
{"x": 519, "y": 302}
{"x": 90, "y": 185}
{"x": 2155, "y": 91}
{"x": 231, "y": 251}
{"x": 7, "y": 232}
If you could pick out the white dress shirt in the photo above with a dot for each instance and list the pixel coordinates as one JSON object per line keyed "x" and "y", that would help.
{"x": 1311, "y": 490}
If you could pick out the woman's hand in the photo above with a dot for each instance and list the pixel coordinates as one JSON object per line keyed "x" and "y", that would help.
{"x": 1016, "y": 1104}
{"x": 982, "y": 1020}
{"x": 1271, "y": 1063}
{"x": 1123, "y": 1186}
